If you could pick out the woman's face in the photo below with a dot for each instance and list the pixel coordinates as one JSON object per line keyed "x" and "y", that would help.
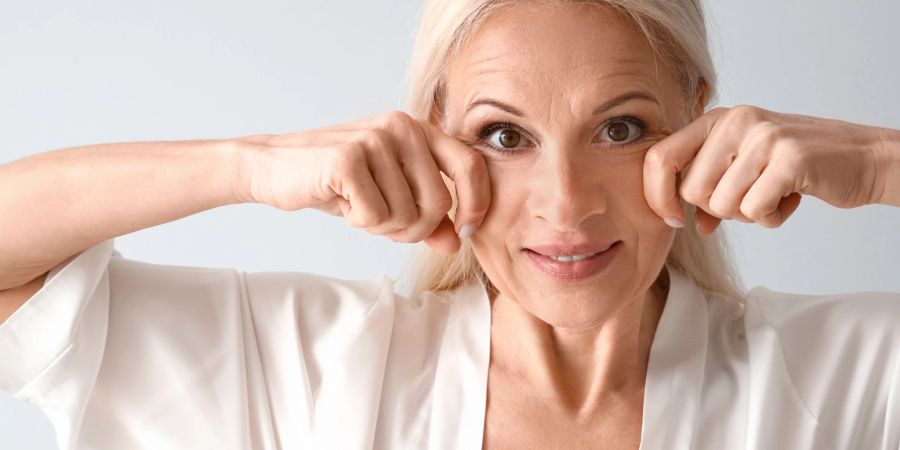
{"x": 585, "y": 100}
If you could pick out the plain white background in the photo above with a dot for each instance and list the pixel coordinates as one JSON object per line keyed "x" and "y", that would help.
{"x": 109, "y": 71}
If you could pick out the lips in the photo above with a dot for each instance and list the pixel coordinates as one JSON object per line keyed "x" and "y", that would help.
{"x": 577, "y": 270}
{"x": 570, "y": 248}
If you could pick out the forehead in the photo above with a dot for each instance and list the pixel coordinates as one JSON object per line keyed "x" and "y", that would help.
{"x": 550, "y": 46}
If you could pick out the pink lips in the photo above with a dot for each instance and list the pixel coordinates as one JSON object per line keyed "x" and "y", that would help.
{"x": 573, "y": 271}
{"x": 570, "y": 248}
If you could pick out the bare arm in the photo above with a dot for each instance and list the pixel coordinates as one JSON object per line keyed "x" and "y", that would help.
{"x": 382, "y": 173}
{"x": 59, "y": 203}
{"x": 12, "y": 299}
{"x": 891, "y": 155}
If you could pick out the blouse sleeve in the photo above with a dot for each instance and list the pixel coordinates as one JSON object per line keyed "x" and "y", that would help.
{"x": 51, "y": 347}
{"x": 842, "y": 353}
{"x": 120, "y": 353}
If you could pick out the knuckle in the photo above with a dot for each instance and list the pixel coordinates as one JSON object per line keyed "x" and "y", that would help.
{"x": 374, "y": 218}
{"x": 769, "y": 132}
{"x": 378, "y": 139}
{"x": 751, "y": 211}
{"x": 407, "y": 217}
{"x": 656, "y": 155}
{"x": 738, "y": 117}
{"x": 721, "y": 208}
{"x": 358, "y": 219}
{"x": 377, "y": 217}
{"x": 692, "y": 193}
{"x": 788, "y": 159}
{"x": 473, "y": 164}
{"x": 356, "y": 222}
{"x": 397, "y": 117}
{"x": 789, "y": 154}
{"x": 746, "y": 113}
{"x": 347, "y": 157}
{"x": 442, "y": 203}
{"x": 398, "y": 121}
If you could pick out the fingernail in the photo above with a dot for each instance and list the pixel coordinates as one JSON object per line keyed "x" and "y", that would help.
{"x": 673, "y": 222}
{"x": 466, "y": 231}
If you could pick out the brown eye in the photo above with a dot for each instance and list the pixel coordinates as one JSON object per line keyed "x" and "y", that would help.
{"x": 617, "y": 132}
{"x": 621, "y": 132}
{"x": 507, "y": 138}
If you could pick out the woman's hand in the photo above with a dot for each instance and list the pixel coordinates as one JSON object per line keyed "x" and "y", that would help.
{"x": 381, "y": 173}
{"x": 752, "y": 165}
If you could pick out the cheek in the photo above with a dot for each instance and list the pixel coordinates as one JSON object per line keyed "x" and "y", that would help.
{"x": 509, "y": 195}
{"x": 628, "y": 191}
{"x": 653, "y": 236}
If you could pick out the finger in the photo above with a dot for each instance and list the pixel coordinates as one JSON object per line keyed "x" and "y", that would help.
{"x": 725, "y": 200}
{"x": 704, "y": 175}
{"x": 432, "y": 198}
{"x": 771, "y": 200}
{"x": 666, "y": 158}
{"x": 444, "y": 239}
{"x": 392, "y": 183}
{"x": 363, "y": 206}
{"x": 468, "y": 170}
{"x": 706, "y": 222}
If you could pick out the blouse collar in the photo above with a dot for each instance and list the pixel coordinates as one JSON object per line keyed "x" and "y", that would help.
{"x": 671, "y": 391}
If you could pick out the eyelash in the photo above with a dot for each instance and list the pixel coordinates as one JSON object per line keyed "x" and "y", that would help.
{"x": 491, "y": 128}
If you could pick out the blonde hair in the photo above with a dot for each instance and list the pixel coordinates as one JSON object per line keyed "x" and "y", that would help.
{"x": 676, "y": 32}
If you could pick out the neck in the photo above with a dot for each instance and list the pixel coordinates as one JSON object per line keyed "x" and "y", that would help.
{"x": 581, "y": 370}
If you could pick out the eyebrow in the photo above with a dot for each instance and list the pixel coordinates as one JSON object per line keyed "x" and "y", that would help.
{"x": 612, "y": 103}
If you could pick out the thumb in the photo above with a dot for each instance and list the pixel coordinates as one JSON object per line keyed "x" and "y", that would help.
{"x": 444, "y": 239}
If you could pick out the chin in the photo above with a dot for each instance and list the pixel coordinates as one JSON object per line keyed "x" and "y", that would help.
{"x": 568, "y": 305}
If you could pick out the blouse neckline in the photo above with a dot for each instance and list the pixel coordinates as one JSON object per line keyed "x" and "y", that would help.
{"x": 671, "y": 391}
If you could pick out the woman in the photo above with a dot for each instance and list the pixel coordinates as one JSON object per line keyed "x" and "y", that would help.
{"x": 579, "y": 297}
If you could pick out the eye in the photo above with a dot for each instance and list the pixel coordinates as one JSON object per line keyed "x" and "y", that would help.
{"x": 505, "y": 138}
{"x": 622, "y": 130}
{"x": 502, "y": 137}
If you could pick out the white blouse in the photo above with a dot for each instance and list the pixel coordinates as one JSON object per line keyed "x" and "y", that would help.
{"x": 121, "y": 354}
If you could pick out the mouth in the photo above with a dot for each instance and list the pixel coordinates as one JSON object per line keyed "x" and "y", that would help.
{"x": 574, "y": 267}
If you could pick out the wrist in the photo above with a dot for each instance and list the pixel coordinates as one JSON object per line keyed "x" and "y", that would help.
{"x": 243, "y": 155}
{"x": 889, "y": 168}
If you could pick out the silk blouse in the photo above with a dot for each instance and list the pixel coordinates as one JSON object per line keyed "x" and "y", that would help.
{"x": 123, "y": 354}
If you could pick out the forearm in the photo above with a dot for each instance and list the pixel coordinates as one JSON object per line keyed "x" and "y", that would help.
{"x": 890, "y": 156}
{"x": 56, "y": 204}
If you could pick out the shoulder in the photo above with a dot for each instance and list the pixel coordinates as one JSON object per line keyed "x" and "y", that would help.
{"x": 867, "y": 312}
{"x": 165, "y": 284}
{"x": 827, "y": 329}
{"x": 181, "y": 283}
{"x": 839, "y": 351}
{"x": 318, "y": 294}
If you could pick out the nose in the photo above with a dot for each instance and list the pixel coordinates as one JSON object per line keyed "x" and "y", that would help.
{"x": 566, "y": 191}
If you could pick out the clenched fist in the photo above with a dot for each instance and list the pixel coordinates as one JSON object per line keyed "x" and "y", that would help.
{"x": 381, "y": 173}
{"x": 753, "y": 165}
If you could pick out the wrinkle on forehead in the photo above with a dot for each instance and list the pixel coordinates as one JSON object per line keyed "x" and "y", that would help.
{"x": 516, "y": 56}
{"x": 523, "y": 91}
{"x": 490, "y": 59}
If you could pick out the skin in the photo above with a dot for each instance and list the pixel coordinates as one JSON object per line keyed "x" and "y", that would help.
{"x": 568, "y": 359}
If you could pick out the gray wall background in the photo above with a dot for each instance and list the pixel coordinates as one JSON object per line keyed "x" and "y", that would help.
{"x": 75, "y": 73}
